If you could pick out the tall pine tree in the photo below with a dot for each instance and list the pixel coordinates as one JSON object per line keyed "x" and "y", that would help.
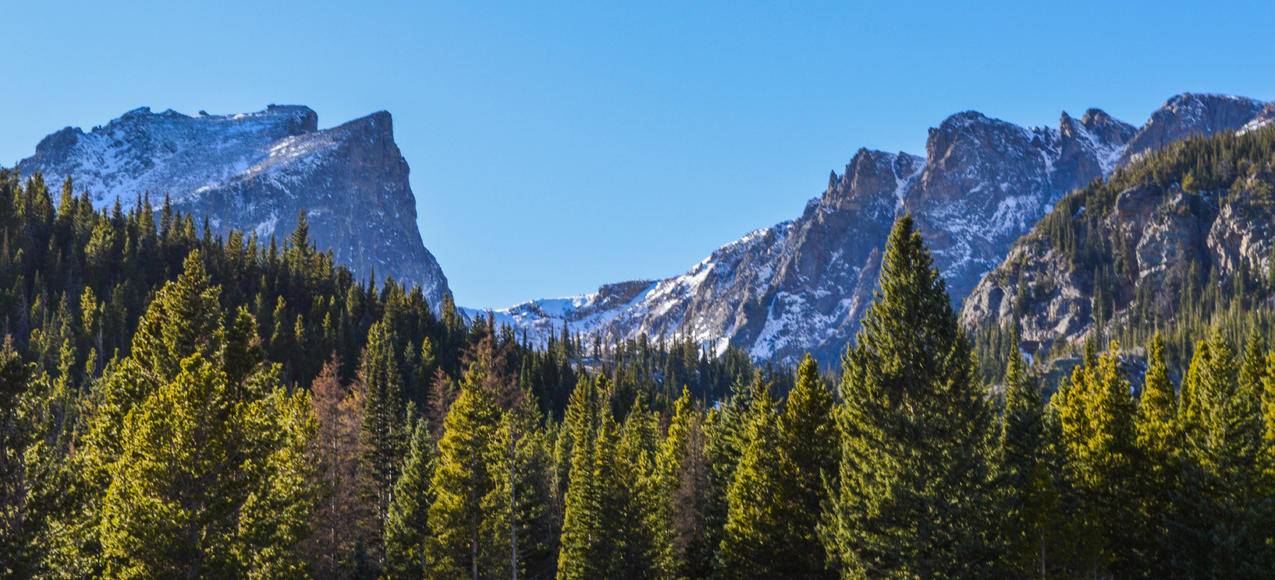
{"x": 914, "y": 493}
{"x": 407, "y": 523}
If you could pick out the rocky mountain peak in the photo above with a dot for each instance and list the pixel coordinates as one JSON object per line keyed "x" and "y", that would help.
{"x": 256, "y": 172}
{"x": 1192, "y": 113}
{"x": 803, "y": 286}
{"x": 1106, "y": 127}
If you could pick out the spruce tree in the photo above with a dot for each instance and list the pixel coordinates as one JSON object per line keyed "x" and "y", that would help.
{"x": 808, "y": 452}
{"x": 407, "y": 523}
{"x": 276, "y": 519}
{"x": 755, "y": 542}
{"x": 1097, "y": 430}
{"x": 519, "y": 524}
{"x": 461, "y": 479}
{"x": 581, "y": 525}
{"x": 1160, "y": 445}
{"x": 913, "y": 496}
{"x": 169, "y": 510}
{"x": 1031, "y": 501}
{"x": 681, "y": 481}
{"x": 382, "y": 430}
{"x": 725, "y": 435}
{"x": 1225, "y": 448}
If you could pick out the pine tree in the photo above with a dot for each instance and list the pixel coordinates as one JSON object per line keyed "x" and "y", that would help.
{"x": 18, "y": 434}
{"x": 913, "y": 495}
{"x": 1225, "y": 447}
{"x": 407, "y": 523}
{"x": 382, "y": 429}
{"x": 519, "y": 523}
{"x": 808, "y": 453}
{"x": 169, "y": 509}
{"x": 1097, "y": 430}
{"x": 681, "y": 481}
{"x": 1160, "y": 445}
{"x": 1031, "y": 501}
{"x": 276, "y": 518}
{"x": 461, "y": 479}
{"x": 184, "y": 318}
{"x": 755, "y": 543}
{"x": 625, "y": 477}
{"x": 582, "y": 525}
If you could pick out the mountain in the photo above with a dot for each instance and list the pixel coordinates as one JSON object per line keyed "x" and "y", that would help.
{"x": 1179, "y": 236}
{"x": 1189, "y": 114}
{"x": 256, "y": 172}
{"x": 803, "y": 285}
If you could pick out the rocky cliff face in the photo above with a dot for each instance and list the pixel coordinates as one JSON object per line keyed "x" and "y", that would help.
{"x": 1192, "y": 113}
{"x": 256, "y": 172}
{"x": 804, "y": 285}
{"x": 1130, "y": 250}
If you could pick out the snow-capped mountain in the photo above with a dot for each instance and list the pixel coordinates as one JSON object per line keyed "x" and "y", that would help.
{"x": 256, "y": 172}
{"x": 804, "y": 285}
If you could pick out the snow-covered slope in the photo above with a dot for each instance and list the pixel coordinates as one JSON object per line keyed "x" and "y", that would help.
{"x": 256, "y": 172}
{"x": 803, "y": 286}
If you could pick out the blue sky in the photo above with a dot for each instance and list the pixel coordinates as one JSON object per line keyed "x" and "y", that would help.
{"x": 557, "y": 146}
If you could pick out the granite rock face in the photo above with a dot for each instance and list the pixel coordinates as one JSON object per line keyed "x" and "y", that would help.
{"x": 256, "y": 172}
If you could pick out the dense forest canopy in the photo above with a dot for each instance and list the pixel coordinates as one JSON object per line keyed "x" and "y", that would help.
{"x": 174, "y": 404}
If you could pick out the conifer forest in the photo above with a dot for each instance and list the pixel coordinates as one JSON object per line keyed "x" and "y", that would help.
{"x": 175, "y": 404}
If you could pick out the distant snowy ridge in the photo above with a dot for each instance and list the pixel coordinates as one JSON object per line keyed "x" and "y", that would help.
{"x": 804, "y": 285}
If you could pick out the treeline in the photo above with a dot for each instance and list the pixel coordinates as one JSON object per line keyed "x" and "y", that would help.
{"x": 192, "y": 453}
{"x": 88, "y": 297}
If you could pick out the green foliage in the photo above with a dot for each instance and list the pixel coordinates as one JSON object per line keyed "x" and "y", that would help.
{"x": 407, "y": 521}
{"x": 808, "y": 453}
{"x": 147, "y": 430}
{"x": 1096, "y": 415}
{"x": 756, "y": 542}
{"x": 681, "y": 482}
{"x": 914, "y": 493}
{"x": 462, "y": 479}
{"x": 1023, "y": 472}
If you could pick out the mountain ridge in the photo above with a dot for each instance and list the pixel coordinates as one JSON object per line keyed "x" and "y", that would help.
{"x": 803, "y": 285}
{"x": 256, "y": 172}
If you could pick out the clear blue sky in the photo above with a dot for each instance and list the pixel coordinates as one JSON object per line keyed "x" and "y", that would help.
{"x": 557, "y": 146}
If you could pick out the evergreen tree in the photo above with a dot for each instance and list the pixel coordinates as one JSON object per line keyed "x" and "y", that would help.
{"x": 169, "y": 510}
{"x": 913, "y": 497}
{"x": 581, "y": 524}
{"x": 461, "y": 479}
{"x": 1031, "y": 501}
{"x": 519, "y": 523}
{"x": 407, "y": 523}
{"x": 627, "y": 486}
{"x": 382, "y": 425}
{"x": 1225, "y": 445}
{"x": 1160, "y": 446}
{"x": 1097, "y": 430}
{"x": 276, "y": 518}
{"x": 682, "y": 487}
{"x": 755, "y": 543}
{"x": 808, "y": 454}
{"x": 725, "y": 434}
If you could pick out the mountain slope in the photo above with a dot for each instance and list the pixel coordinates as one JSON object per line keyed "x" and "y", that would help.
{"x": 256, "y": 172}
{"x": 803, "y": 285}
{"x": 1178, "y": 235}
